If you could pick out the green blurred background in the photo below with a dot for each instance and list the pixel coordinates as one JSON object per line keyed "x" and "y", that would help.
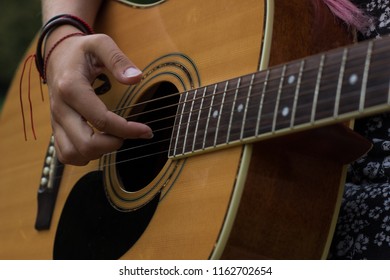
{"x": 19, "y": 21}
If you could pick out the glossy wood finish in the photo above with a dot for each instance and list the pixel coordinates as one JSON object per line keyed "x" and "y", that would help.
{"x": 293, "y": 192}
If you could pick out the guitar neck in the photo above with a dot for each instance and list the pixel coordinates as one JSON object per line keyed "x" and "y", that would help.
{"x": 331, "y": 87}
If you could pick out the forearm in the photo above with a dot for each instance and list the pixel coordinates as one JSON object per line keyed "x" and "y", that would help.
{"x": 85, "y": 9}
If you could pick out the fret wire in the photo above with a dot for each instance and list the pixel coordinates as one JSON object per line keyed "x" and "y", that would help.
{"x": 257, "y": 83}
{"x": 246, "y": 107}
{"x": 198, "y": 119}
{"x": 278, "y": 98}
{"x": 296, "y": 94}
{"x": 317, "y": 88}
{"x": 232, "y": 111}
{"x": 365, "y": 76}
{"x": 261, "y": 102}
{"x": 208, "y": 118}
{"x": 179, "y": 124}
{"x": 258, "y": 120}
{"x": 220, "y": 112}
{"x": 339, "y": 83}
{"x": 305, "y": 72}
{"x": 230, "y": 126}
{"x": 189, "y": 120}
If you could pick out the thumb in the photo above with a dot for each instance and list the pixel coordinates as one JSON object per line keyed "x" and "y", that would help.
{"x": 107, "y": 51}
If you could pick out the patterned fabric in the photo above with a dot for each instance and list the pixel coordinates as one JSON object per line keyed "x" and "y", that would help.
{"x": 363, "y": 227}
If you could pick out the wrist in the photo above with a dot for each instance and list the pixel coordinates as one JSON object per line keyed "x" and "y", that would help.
{"x": 49, "y": 51}
{"x": 59, "y": 24}
{"x": 57, "y": 34}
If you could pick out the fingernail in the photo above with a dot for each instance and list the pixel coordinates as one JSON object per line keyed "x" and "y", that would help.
{"x": 132, "y": 72}
{"x": 148, "y": 135}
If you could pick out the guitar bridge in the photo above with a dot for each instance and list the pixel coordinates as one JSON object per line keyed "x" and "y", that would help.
{"x": 48, "y": 188}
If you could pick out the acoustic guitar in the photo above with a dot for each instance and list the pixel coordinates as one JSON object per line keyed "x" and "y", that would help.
{"x": 249, "y": 154}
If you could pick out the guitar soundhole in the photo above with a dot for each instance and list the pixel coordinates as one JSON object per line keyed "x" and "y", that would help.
{"x": 89, "y": 227}
{"x": 139, "y": 161}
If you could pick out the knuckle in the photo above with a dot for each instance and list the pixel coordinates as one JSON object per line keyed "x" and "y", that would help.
{"x": 63, "y": 85}
{"x": 114, "y": 57}
{"x": 86, "y": 150}
{"x": 117, "y": 59}
{"x": 117, "y": 143}
{"x": 65, "y": 159}
{"x": 100, "y": 37}
{"x": 100, "y": 123}
{"x": 68, "y": 156}
{"x": 96, "y": 39}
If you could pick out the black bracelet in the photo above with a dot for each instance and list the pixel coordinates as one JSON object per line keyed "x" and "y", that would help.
{"x": 52, "y": 24}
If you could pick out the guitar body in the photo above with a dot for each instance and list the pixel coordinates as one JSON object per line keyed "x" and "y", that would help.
{"x": 273, "y": 199}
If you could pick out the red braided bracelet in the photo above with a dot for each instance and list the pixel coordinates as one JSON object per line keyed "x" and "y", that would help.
{"x": 52, "y": 49}
{"x": 52, "y": 24}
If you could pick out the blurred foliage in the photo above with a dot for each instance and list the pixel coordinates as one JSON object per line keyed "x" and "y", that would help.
{"x": 19, "y": 22}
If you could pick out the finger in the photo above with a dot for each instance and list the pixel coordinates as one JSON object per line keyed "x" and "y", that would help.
{"x": 108, "y": 53}
{"x": 65, "y": 150}
{"x": 78, "y": 142}
{"x": 90, "y": 143}
{"x": 80, "y": 96}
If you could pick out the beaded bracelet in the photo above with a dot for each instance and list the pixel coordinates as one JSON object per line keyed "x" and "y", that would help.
{"x": 53, "y": 23}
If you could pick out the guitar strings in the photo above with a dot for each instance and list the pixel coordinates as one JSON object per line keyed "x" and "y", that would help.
{"x": 218, "y": 104}
{"x": 301, "y": 94}
{"x": 132, "y": 106}
{"x": 74, "y": 172}
{"x": 117, "y": 163}
{"x": 159, "y": 142}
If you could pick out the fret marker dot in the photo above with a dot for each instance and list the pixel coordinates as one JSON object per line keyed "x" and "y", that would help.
{"x": 240, "y": 108}
{"x": 285, "y": 111}
{"x": 353, "y": 79}
{"x": 215, "y": 114}
{"x": 291, "y": 79}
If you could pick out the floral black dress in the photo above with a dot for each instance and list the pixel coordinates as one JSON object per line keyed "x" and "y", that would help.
{"x": 363, "y": 227}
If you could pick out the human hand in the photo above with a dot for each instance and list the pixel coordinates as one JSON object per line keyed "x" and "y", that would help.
{"x": 84, "y": 129}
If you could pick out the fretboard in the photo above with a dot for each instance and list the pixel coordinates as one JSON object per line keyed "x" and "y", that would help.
{"x": 331, "y": 87}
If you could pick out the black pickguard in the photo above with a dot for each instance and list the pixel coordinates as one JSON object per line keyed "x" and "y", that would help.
{"x": 91, "y": 228}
